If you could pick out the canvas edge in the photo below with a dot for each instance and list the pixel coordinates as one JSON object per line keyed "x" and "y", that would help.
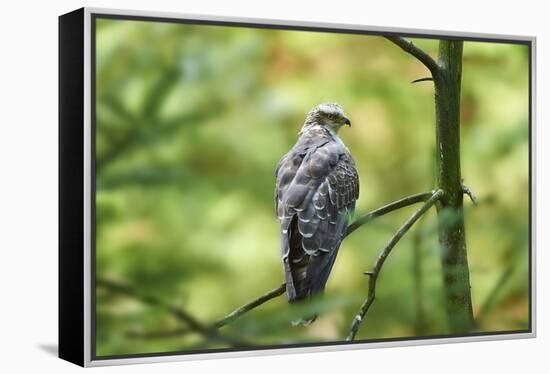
{"x": 306, "y": 24}
{"x": 89, "y": 362}
{"x": 533, "y": 183}
{"x": 70, "y": 189}
{"x": 298, "y": 350}
{"x": 87, "y": 171}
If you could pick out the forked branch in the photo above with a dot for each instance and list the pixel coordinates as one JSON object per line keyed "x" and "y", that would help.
{"x": 210, "y": 329}
{"x": 373, "y": 275}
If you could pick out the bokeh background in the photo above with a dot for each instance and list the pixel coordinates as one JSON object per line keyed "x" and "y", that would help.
{"x": 190, "y": 123}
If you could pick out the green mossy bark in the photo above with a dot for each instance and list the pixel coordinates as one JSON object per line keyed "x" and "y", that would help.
{"x": 452, "y": 239}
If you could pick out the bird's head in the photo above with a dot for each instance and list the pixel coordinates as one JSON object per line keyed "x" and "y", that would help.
{"x": 329, "y": 115}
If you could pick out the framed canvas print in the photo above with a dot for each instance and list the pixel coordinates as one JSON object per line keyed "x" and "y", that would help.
{"x": 240, "y": 186}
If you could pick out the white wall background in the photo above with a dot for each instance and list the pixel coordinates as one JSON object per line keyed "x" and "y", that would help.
{"x": 28, "y": 183}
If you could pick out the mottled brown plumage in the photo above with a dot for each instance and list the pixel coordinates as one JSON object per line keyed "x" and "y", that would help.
{"x": 316, "y": 189}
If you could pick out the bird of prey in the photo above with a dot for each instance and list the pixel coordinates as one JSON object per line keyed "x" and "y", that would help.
{"x": 316, "y": 189}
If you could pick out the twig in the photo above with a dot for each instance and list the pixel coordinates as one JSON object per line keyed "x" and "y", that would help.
{"x": 178, "y": 312}
{"x": 426, "y": 79}
{"x": 410, "y": 48}
{"x": 470, "y": 193}
{"x": 401, "y": 203}
{"x": 382, "y": 258}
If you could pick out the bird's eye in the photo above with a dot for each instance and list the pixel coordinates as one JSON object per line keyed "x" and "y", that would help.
{"x": 330, "y": 116}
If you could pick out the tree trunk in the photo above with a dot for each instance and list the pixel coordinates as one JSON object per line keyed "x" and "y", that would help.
{"x": 452, "y": 240}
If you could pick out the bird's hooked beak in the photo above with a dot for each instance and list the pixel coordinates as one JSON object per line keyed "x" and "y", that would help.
{"x": 347, "y": 121}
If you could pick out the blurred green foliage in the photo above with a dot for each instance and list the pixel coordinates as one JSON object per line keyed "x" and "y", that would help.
{"x": 191, "y": 121}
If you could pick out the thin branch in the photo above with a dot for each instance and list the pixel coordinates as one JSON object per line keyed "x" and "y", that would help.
{"x": 251, "y": 305}
{"x": 410, "y": 48}
{"x": 426, "y": 79}
{"x": 219, "y": 323}
{"x": 382, "y": 258}
{"x": 178, "y": 312}
{"x": 401, "y": 203}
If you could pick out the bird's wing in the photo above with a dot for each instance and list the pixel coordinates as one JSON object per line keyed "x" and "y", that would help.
{"x": 316, "y": 193}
